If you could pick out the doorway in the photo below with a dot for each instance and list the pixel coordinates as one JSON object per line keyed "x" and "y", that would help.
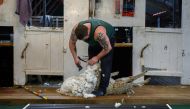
{"x": 6, "y": 56}
{"x": 122, "y": 59}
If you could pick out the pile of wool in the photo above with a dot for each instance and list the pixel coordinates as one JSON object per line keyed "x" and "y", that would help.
{"x": 82, "y": 84}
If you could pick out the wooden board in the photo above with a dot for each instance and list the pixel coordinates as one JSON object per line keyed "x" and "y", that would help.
{"x": 143, "y": 95}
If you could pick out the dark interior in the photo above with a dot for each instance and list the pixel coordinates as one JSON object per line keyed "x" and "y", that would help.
{"x": 6, "y": 56}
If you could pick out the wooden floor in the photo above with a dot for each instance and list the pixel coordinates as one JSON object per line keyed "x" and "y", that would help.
{"x": 143, "y": 95}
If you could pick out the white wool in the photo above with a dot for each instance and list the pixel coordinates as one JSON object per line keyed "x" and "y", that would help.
{"x": 117, "y": 105}
{"x": 81, "y": 85}
{"x": 112, "y": 81}
{"x": 89, "y": 95}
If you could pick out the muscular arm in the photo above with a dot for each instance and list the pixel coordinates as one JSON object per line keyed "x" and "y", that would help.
{"x": 72, "y": 46}
{"x": 102, "y": 38}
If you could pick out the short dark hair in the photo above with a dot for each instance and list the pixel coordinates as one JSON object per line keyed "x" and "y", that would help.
{"x": 81, "y": 31}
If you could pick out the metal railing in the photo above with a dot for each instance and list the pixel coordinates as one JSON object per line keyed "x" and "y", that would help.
{"x": 48, "y": 21}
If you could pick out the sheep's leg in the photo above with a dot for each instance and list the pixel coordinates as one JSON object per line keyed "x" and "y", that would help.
{"x": 132, "y": 78}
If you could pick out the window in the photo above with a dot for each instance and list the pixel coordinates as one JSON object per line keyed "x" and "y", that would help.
{"x": 128, "y": 8}
{"x": 47, "y": 13}
{"x": 163, "y": 13}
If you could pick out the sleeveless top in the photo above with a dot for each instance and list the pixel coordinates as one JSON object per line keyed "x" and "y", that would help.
{"x": 94, "y": 24}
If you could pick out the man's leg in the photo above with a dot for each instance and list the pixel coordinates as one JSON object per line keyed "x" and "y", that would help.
{"x": 106, "y": 66}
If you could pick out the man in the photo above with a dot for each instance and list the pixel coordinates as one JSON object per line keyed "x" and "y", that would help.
{"x": 100, "y": 37}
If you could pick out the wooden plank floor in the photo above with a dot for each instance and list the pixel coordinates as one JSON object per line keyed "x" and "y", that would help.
{"x": 143, "y": 95}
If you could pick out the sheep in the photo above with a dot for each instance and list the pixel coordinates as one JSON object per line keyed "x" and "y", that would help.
{"x": 82, "y": 84}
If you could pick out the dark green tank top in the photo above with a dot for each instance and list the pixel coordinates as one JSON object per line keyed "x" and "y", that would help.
{"x": 94, "y": 24}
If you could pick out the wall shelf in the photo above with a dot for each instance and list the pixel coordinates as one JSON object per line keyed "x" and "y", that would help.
{"x": 6, "y": 44}
{"x": 123, "y": 44}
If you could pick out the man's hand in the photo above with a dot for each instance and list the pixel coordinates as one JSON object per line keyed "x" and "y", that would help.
{"x": 93, "y": 60}
{"x": 77, "y": 61}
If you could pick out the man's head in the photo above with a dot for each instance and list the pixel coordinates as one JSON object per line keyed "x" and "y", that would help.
{"x": 81, "y": 31}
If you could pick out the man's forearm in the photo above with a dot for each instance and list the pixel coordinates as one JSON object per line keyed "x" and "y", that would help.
{"x": 74, "y": 54}
{"x": 103, "y": 53}
{"x": 73, "y": 50}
